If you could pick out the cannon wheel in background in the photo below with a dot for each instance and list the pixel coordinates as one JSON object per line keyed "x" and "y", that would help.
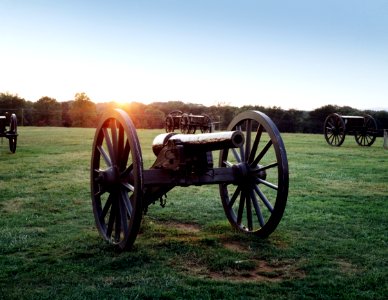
{"x": 192, "y": 129}
{"x": 334, "y": 130}
{"x": 185, "y": 124}
{"x": 207, "y": 124}
{"x": 169, "y": 122}
{"x": 367, "y": 136}
{"x": 117, "y": 179}
{"x": 255, "y": 204}
{"x": 12, "y": 134}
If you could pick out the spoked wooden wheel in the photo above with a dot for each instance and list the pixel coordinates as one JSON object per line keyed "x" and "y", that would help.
{"x": 367, "y": 136}
{"x": 170, "y": 120}
{"x": 169, "y": 123}
{"x": 207, "y": 124}
{"x": 12, "y": 134}
{"x": 185, "y": 124}
{"x": 334, "y": 130}
{"x": 192, "y": 129}
{"x": 117, "y": 179}
{"x": 256, "y": 202}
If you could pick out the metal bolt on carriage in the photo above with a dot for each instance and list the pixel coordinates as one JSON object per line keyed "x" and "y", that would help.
{"x": 252, "y": 173}
{"x": 11, "y": 134}
{"x": 364, "y": 129}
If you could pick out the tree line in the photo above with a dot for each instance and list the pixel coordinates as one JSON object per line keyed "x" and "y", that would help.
{"x": 83, "y": 112}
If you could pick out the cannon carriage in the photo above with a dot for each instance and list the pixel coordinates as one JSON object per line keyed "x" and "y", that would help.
{"x": 11, "y": 134}
{"x": 187, "y": 123}
{"x": 252, "y": 173}
{"x": 364, "y": 129}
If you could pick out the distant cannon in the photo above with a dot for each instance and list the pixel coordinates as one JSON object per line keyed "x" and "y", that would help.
{"x": 187, "y": 123}
{"x": 11, "y": 134}
{"x": 364, "y": 129}
{"x": 252, "y": 173}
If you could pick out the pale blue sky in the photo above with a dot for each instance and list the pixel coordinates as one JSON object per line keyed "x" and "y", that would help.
{"x": 293, "y": 54}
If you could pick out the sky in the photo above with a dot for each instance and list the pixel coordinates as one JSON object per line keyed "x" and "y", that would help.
{"x": 297, "y": 54}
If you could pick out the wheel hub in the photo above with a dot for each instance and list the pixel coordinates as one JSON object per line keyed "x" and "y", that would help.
{"x": 110, "y": 178}
{"x": 250, "y": 175}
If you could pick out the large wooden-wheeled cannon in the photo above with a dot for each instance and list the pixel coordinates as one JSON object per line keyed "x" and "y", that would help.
{"x": 252, "y": 173}
{"x": 187, "y": 123}
{"x": 364, "y": 129}
{"x": 11, "y": 134}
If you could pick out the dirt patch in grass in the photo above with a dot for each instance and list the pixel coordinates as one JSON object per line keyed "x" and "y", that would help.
{"x": 236, "y": 247}
{"x": 260, "y": 271}
{"x": 347, "y": 267}
{"x": 12, "y": 206}
{"x": 186, "y": 227}
{"x": 250, "y": 269}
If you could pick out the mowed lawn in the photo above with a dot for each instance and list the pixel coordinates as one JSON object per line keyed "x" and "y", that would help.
{"x": 330, "y": 244}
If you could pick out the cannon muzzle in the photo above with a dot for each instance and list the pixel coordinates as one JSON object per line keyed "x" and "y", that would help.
{"x": 200, "y": 142}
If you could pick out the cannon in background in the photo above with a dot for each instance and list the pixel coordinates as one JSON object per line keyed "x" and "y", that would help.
{"x": 11, "y": 134}
{"x": 187, "y": 123}
{"x": 364, "y": 129}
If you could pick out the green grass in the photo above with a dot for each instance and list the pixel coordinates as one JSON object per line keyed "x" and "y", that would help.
{"x": 330, "y": 244}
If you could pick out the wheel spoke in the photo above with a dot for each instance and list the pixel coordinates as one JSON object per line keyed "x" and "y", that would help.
{"x": 112, "y": 217}
{"x": 263, "y": 198}
{"x": 262, "y": 153}
{"x": 104, "y": 155}
{"x": 275, "y": 164}
{"x": 126, "y": 174}
{"x": 255, "y": 143}
{"x": 100, "y": 192}
{"x": 249, "y": 212}
{"x": 248, "y": 138}
{"x": 109, "y": 145}
{"x": 271, "y": 185}
{"x": 125, "y": 156}
{"x": 113, "y": 128}
{"x": 228, "y": 163}
{"x": 123, "y": 213}
{"x": 127, "y": 202}
{"x": 118, "y": 219}
{"x": 236, "y": 155}
{"x": 241, "y": 208}
{"x": 120, "y": 145}
{"x": 234, "y": 197}
{"x": 106, "y": 208}
{"x": 128, "y": 187}
{"x": 257, "y": 209}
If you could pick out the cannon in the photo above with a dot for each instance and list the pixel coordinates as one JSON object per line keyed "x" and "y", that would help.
{"x": 252, "y": 173}
{"x": 187, "y": 123}
{"x": 11, "y": 134}
{"x": 364, "y": 129}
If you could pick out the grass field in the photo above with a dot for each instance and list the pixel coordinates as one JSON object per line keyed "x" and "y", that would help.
{"x": 330, "y": 244}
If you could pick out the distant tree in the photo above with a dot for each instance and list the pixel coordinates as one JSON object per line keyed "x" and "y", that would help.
{"x": 47, "y": 112}
{"x": 11, "y": 103}
{"x": 155, "y": 118}
{"x": 14, "y": 104}
{"x": 83, "y": 111}
{"x": 317, "y": 117}
{"x": 136, "y": 111}
{"x": 66, "y": 115}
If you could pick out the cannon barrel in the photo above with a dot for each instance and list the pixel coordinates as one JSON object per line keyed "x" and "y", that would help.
{"x": 200, "y": 142}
